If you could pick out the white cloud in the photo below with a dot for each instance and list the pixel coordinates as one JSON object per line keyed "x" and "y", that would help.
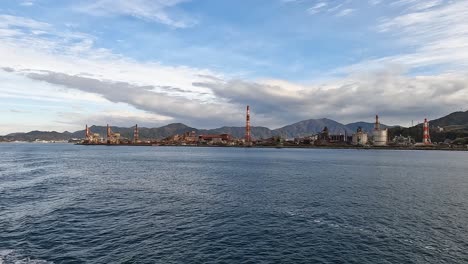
{"x": 417, "y": 5}
{"x": 69, "y": 64}
{"x": 317, "y": 8}
{"x": 397, "y": 97}
{"x": 375, "y": 2}
{"x": 74, "y": 55}
{"x": 27, "y": 3}
{"x": 437, "y": 36}
{"x": 338, "y": 8}
{"x": 7, "y": 21}
{"x": 345, "y": 12}
{"x": 432, "y": 40}
{"x": 142, "y": 97}
{"x": 150, "y": 10}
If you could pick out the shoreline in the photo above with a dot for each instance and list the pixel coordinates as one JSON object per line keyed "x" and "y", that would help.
{"x": 428, "y": 148}
{"x": 431, "y": 148}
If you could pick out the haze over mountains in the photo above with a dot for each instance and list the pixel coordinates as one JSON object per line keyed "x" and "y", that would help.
{"x": 455, "y": 124}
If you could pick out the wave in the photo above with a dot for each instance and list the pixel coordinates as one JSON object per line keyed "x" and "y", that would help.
{"x": 10, "y": 256}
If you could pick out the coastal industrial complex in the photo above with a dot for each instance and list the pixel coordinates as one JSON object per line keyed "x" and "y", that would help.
{"x": 377, "y": 138}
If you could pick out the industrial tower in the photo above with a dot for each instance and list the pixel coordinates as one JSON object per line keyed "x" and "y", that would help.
{"x": 108, "y": 136}
{"x": 426, "y": 136}
{"x": 379, "y": 135}
{"x": 87, "y": 133}
{"x": 377, "y": 123}
{"x": 248, "y": 137}
{"x": 135, "y": 134}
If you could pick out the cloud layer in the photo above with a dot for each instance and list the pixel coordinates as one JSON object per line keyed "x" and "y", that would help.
{"x": 390, "y": 93}
{"x": 425, "y": 78}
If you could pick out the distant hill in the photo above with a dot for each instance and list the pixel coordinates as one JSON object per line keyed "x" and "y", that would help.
{"x": 239, "y": 132}
{"x": 456, "y": 125}
{"x": 453, "y": 119}
{"x": 43, "y": 135}
{"x": 311, "y": 126}
{"x": 299, "y": 129}
{"x": 367, "y": 127}
{"x": 159, "y": 133}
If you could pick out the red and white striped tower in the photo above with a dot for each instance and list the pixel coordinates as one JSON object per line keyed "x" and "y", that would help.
{"x": 248, "y": 137}
{"x": 135, "y": 134}
{"x": 426, "y": 136}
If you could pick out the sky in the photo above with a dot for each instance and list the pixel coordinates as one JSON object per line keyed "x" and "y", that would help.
{"x": 64, "y": 64}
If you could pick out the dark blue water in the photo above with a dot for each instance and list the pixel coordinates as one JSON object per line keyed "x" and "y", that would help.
{"x": 78, "y": 204}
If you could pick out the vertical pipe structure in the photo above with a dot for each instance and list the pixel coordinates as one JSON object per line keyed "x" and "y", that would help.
{"x": 377, "y": 123}
{"x": 87, "y": 134}
{"x": 135, "y": 134}
{"x": 426, "y": 136}
{"x": 108, "y": 134}
{"x": 248, "y": 137}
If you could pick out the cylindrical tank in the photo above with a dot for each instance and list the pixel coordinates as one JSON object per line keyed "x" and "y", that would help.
{"x": 380, "y": 137}
{"x": 360, "y": 139}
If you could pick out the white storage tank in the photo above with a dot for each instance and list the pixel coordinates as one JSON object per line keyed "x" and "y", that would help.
{"x": 380, "y": 137}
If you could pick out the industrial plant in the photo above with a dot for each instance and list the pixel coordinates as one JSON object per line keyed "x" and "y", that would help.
{"x": 377, "y": 138}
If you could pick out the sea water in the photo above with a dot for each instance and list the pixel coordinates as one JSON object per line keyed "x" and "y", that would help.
{"x": 63, "y": 203}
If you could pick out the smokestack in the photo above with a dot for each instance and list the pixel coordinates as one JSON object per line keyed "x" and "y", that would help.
{"x": 135, "y": 134}
{"x": 248, "y": 137}
{"x": 87, "y": 131}
{"x": 108, "y": 132}
{"x": 377, "y": 124}
{"x": 426, "y": 136}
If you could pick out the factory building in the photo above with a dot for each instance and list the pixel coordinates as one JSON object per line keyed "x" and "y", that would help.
{"x": 338, "y": 139}
{"x": 91, "y": 138}
{"x": 214, "y": 139}
{"x": 403, "y": 141}
{"x": 360, "y": 138}
{"x": 112, "y": 138}
{"x": 190, "y": 137}
{"x": 379, "y": 136}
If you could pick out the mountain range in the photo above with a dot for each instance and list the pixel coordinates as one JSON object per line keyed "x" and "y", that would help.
{"x": 299, "y": 129}
{"x": 456, "y": 122}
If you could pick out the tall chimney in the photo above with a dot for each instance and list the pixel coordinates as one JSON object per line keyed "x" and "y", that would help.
{"x": 248, "y": 137}
{"x": 377, "y": 124}
{"x": 426, "y": 136}
{"x": 135, "y": 134}
{"x": 87, "y": 132}
{"x": 108, "y": 132}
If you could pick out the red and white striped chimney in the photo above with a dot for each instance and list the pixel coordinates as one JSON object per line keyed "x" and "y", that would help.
{"x": 426, "y": 136}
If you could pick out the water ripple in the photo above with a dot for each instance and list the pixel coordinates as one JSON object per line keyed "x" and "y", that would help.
{"x": 71, "y": 204}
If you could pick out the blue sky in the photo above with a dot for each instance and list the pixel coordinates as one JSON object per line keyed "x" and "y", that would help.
{"x": 67, "y": 63}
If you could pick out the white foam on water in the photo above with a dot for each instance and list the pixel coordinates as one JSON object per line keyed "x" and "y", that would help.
{"x": 291, "y": 213}
{"x": 9, "y": 256}
{"x": 430, "y": 247}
